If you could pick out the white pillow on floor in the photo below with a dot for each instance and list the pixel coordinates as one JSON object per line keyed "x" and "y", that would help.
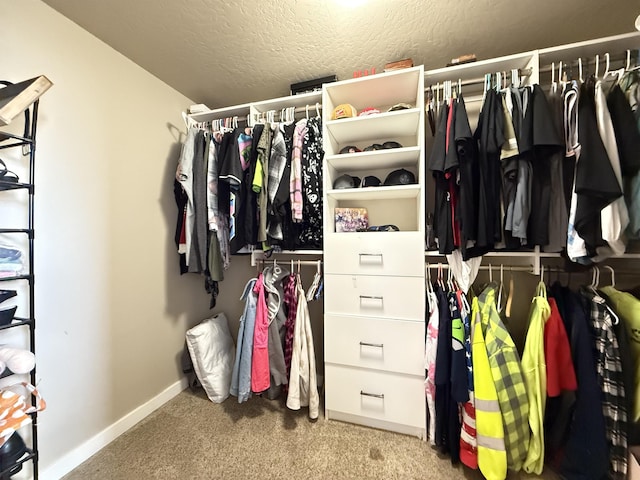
{"x": 212, "y": 352}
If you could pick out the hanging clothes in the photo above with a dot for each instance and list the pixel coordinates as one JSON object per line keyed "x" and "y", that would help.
{"x": 291, "y": 303}
{"x": 614, "y": 217}
{"x": 311, "y": 164}
{"x": 184, "y": 176}
{"x": 609, "y": 369}
{"x": 260, "y": 180}
{"x": 546, "y": 145}
{"x": 219, "y": 241}
{"x": 431, "y": 347}
{"x": 490, "y": 137}
{"x": 627, "y": 307}
{"x": 576, "y": 246}
{"x": 468, "y": 438}
{"x": 303, "y": 388}
{"x": 277, "y": 167}
{"x": 507, "y": 377}
{"x": 492, "y": 457}
{"x": 274, "y": 292}
{"x": 585, "y": 453}
{"x": 241, "y": 376}
{"x": 561, "y": 382}
{"x": 446, "y": 407}
{"x": 467, "y": 152}
{"x": 596, "y": 182}
{"x": 295, "y": 181}
{"x": 534, "y": 370}
{"x": 260, "y": 378}
{"x": 443, "y": 222}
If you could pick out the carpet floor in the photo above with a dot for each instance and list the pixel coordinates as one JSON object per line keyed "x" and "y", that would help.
{"x": 191, "y": 438}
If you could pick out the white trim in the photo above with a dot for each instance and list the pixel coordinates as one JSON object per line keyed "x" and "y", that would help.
{"x": 81, "y": 453}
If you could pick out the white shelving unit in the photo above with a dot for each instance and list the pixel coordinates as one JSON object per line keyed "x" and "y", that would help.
{"x": 374, "y": 281}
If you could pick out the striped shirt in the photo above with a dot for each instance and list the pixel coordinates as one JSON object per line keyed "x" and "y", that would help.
{"x": 609, "y": 368}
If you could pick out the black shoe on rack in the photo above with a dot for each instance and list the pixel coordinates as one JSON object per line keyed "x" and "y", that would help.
{"x": 7, "y": 294}
{"x": 6, "y": 316}
{"x": 10, "y": 452}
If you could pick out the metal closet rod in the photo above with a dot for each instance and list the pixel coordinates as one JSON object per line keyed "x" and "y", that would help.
{"x": 526, "y": 72}
{"x": 308, "y": 263}
{"x": 517, "y": 268}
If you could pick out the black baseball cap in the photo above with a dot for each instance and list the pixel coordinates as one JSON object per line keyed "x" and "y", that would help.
{"x": 400, "y": 177}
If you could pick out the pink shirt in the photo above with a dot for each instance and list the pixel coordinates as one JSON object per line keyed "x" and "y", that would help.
{"x": 260, "y": 379}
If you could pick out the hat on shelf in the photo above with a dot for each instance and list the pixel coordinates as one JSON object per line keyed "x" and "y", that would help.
{"x": 391, "y": 145}
{"x": 400, "y": 177}
{"x": 345, "y": 181}
{"x": 368, "y": 111}
{"x": 350, "y": 149}
{"x": 344, "y": 110}
{"x": 370, "y": 181}
{"x": 400, "y": 106}
{"x": 375, "y": 146}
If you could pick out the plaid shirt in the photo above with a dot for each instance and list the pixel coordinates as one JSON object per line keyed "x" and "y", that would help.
{"x": 507, "y": 376}
{"x": 609, "y": 368}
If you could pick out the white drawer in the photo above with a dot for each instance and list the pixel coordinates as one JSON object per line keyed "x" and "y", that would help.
{"x": 383, "y": 396}
{"x": 390, "y": 297}
{"x": 375, "y": 253}
{"x": 392, "y": 345}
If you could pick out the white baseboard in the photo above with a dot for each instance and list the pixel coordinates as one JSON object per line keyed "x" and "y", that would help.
{"x": 79, "y": 454}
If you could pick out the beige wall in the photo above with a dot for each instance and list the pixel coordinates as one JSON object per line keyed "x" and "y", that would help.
{"x": 111, "y": 306}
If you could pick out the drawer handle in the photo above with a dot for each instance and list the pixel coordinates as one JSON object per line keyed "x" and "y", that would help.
{"x": 377, "y": 345}
{"x": 360, "y": 255}
{"x": 374, "y": 395}
{"x": 370, "y": 297}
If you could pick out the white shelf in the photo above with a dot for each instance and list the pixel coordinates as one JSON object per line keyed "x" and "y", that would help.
{"x": 233, "y": 111}
{"x": 391, "y": 158}
{"x": 376, "y": 193}
{"x": 375, "y": 128}
{"x": 479, "y": 68}
{"x": 615, "y": 45}
{"x": 302, "y": 100}
{"x": 380, "y": 90}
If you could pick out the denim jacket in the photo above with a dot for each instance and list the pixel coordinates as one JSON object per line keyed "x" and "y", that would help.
{"x": 241, "y": 377}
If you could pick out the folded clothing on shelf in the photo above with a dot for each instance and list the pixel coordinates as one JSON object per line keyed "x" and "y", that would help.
{"x": 10, "y": 261}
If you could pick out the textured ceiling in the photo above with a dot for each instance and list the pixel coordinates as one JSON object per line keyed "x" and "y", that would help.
{"x": 225, "y": 53}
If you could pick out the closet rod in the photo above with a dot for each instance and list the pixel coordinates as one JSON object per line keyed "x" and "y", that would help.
{"x": 496, "y": 268}
{"x": 308, "y": 263}
{"x": 480, "y": 80}
{"x": 591, "y": 61}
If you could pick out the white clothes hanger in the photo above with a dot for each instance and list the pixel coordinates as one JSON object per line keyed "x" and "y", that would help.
{"x": 317, "y": 110}
{"x": 580, "y": 70}
{"x": 613, "y": 275}
{"x": 500, "y": 288}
